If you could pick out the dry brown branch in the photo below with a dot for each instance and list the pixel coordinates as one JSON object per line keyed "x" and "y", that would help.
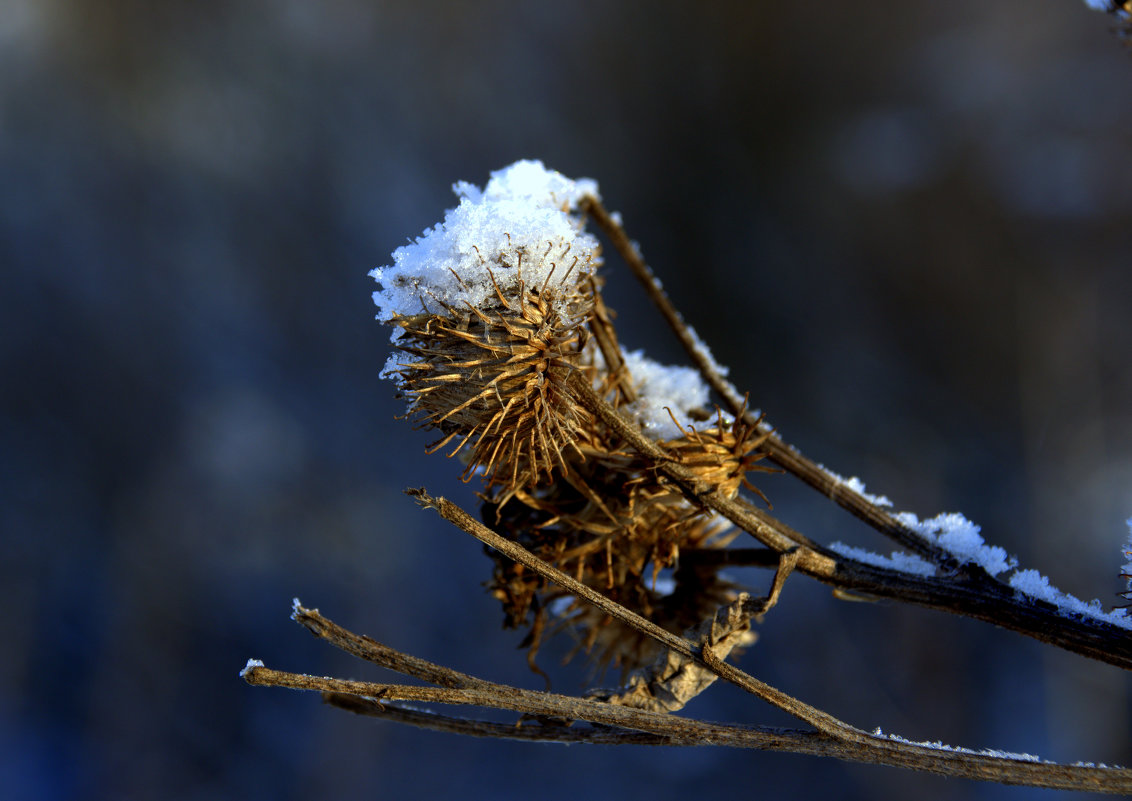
{"x": 964, "y": 590}
{"x": 672, "y": 680}
{"x": 785, "y": 456}
{"x": 584, "y": 500}
{"x": 552, "y": 717}
{"x": 702, "y": 655}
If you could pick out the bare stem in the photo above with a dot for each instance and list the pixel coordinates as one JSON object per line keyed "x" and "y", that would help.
{"x": 693, "y": 661}
{"x": 966, "y": 590}
{"x": 815, "y": 717}
{"x": 427, "y": 719}
{"x": 550, "y": 717}
{"x": 381, "y": 655}
{"x": 785, "y": 456}
{"x": 763, "y": 527}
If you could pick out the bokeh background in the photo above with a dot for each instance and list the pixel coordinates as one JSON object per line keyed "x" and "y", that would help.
{"x": 906, "y": 227}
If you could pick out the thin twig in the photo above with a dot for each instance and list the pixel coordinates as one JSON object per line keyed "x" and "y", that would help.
{"x": 426, "y": 719}
{"x": 639, "y": 726}
{"x": 381, "y": 655}
{"x": 601, "y": 326}
{"x": 785, "y": 456}
{"x": 815, "y": 717}
{"x": 553, "y": 706}
{"x": 967, "y": 589}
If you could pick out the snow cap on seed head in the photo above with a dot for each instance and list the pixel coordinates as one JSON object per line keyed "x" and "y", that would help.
{"x": 489, "y": 311}
{"x": 521, "y": 226}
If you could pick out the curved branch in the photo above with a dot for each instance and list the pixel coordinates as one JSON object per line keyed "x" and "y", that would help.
{"x": 627, "y": 725}
{"x": 785, "y": 456}
{"x": 967, "y": 591}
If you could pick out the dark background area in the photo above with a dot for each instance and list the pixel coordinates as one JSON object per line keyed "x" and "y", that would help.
{"x": 904, "y": 225}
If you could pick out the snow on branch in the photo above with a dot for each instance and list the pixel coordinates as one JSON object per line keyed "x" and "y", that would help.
{"x": 602, "y": 469}
{"x": 961, "y": 539}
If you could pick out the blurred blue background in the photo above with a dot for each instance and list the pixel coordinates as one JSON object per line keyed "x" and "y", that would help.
{"x": 906, "y": 226}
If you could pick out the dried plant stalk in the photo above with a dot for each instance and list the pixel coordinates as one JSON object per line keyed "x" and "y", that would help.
{"x": 675, "y": 679}
{"x": 965, "y": 590}
{"x": 553, "y": 718}
{"x": 586, "y": 496}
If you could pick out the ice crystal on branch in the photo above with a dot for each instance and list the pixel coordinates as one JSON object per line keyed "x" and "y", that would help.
{"x": 961, "y": 538}
{"x": 904, "y": 562}
{"x": 1126, "y": 570}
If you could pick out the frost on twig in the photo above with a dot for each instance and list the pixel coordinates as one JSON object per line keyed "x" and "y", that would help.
{"x": 961, "y": 539}
{"x": 898, "y": 561}
{"x": 854, "y": 484}
{"x": 251, "y": 665}
{"x": 1033, "y": 585}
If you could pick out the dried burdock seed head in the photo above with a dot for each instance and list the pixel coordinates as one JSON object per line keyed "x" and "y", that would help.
{"x": 489, "y": 310}
{"x": 674, "y": 602}
{"x": 721, "y": 456}
{"x": 615, "y": 523}
{"x": 495, "y": 383}
{"x": 495, "y": 312}
{"x": 614, "y": 526}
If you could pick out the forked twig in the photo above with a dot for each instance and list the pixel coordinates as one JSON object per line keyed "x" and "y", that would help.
{"x": 672, "y": 680}
{"x": 785, "y": 456}
{"x": 967, "y": 590}
{"x": 552, "y": 718}
{"x": 536, "y": 362}
{"x": 465, "y": 522}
